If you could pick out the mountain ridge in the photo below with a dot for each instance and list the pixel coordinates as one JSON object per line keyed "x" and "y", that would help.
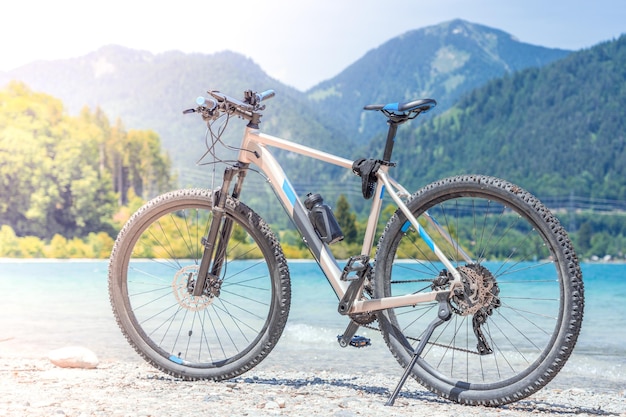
{"x": 149, "y": 91}
{"x": 442, "y": 62}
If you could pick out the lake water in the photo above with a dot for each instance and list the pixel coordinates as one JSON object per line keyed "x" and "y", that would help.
{"x": 50, "y": 304}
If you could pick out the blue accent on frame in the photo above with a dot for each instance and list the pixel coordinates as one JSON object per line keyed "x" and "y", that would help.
{"x": 427, "y": 239}
{"x": 422, "y": 233}
{"x": 291, "y": 194}
{"x": 382, "y": 192}
{"x": 176, "y": 359}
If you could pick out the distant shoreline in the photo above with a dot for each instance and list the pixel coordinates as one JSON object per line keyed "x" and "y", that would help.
{"x": 68, "y": 260}
{"x": 289, "y": 260}
{"x": 44, "y": 260}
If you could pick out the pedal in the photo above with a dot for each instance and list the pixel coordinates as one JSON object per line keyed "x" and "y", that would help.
{"x": 357, "y": 341}
{"x": 355, "y": 264}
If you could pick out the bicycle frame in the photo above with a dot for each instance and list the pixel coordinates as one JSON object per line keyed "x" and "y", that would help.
{"x": 519, "y": 299}
{"x": 254, "y": 151}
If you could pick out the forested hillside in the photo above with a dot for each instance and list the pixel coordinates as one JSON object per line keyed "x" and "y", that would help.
{"x": 557, "y": 130}
{"x": 68, "y": 175}
{"x": 150, "y": 91}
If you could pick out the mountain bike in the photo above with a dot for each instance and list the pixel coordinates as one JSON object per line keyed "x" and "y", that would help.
{"x": 474, "y": 284}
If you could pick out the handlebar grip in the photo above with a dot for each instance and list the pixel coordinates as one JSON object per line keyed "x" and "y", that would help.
{"x": 265, "y": 95}
{"x": 209, "y": 103}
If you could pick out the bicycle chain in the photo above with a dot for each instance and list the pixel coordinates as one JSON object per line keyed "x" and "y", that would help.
{"x": 415, "y": 339}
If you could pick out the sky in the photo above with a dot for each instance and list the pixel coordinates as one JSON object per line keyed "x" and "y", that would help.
{"x": 298, "y": 42}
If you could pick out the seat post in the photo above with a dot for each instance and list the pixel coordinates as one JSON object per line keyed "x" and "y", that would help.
{"x": 391, "y": 135}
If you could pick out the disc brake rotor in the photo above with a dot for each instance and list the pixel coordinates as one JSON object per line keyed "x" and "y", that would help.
{"x": 182, "y": 287}
{"x": 479, "y": 293}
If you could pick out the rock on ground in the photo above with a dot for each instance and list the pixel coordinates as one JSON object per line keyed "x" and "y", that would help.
{"x": 74, "y": 357}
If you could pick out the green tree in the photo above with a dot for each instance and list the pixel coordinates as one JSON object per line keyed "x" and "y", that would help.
{"x": 149, "y": 168}
{"x": 9, "y": 244}
{"x": 59, "y": 174}
{"x": 58, "y": 247}
{"x": 346, "y": 219}
{"x": 583, "y": 238}
{"x": 31, "y": 247}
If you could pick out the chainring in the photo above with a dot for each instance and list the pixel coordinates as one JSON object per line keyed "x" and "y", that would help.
{"x": 370, "y": 316}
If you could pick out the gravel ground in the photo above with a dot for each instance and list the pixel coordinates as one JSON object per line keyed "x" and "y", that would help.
{"x": 35, "y": 387}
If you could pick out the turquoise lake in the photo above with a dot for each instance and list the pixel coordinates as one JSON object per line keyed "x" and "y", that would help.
{"x": 49, "y": 304}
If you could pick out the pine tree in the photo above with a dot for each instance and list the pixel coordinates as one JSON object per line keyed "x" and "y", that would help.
{"x": 346, "y": 219}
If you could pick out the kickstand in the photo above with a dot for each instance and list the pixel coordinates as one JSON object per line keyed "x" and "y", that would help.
{"x": 443, "y": 315}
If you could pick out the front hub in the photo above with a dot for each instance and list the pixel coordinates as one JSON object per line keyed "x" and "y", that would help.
{"x": 183, "y": 285}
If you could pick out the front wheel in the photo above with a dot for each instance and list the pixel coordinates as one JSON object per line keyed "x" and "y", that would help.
{"x": 518, "y": 313}
{"x": 240, "y": 316}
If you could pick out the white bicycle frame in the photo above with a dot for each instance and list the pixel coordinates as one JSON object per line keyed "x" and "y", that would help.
{"x": 254, "y": 151}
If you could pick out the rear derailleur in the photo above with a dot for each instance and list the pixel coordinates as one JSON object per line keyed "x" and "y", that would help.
{"x": 478, "y": 296}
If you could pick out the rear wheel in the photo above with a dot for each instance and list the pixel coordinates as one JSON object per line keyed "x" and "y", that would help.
{"x": 518, "y": 315}
{"x": 153, "y": 268}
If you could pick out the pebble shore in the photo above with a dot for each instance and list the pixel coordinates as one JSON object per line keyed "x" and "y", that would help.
{"x": 36, "y": 387}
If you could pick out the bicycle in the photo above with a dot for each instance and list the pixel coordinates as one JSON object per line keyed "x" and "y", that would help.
{"x": 475, "y": 285}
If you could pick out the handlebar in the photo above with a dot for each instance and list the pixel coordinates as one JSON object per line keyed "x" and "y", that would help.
{"x": 210, "y": 104}
{"x": 216, "y": 105}
{"x": 265, "y": 95}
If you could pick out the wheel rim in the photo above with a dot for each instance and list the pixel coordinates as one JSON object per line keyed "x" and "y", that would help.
{"x": 522, "y": 306}
{"x": 207, "y": 331}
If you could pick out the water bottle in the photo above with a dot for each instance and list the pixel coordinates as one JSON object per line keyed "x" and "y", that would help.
{"x": 323, "y": 219}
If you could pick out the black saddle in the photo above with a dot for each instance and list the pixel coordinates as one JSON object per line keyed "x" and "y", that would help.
{"x": 416, "y": 106}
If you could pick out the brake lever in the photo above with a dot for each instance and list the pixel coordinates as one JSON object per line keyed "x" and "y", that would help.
{"x": 189, "y": 111}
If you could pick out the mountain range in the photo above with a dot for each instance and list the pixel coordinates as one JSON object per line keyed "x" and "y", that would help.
{"x": 441, "y": 62}
{"x": 505, "y": 108}
{"x": 149, "y": 91}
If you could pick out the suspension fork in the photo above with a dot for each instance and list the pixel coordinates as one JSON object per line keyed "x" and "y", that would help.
{"x": 216, "y": 241}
